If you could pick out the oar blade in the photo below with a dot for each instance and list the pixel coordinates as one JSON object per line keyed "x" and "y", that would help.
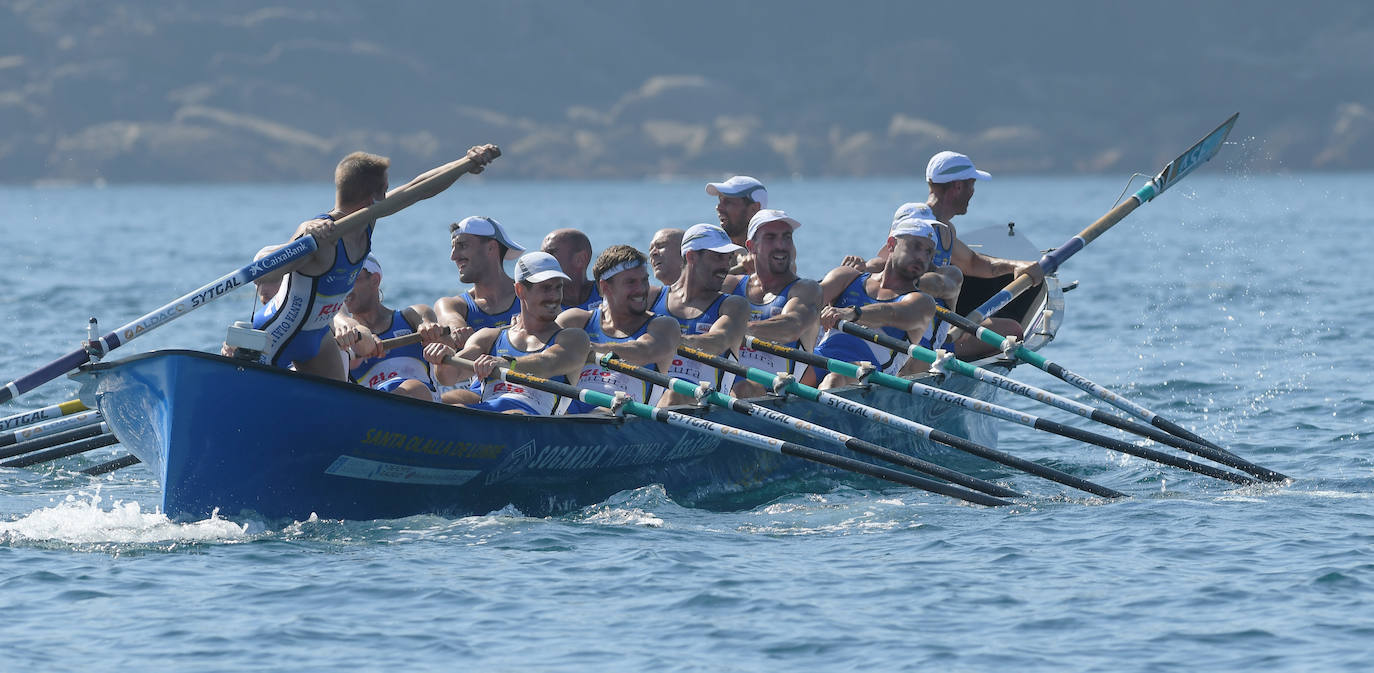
{"x": 1197, "y": 155}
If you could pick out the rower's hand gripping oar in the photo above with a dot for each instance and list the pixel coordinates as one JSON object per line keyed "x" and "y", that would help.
{"x": 949, "y": 363}
{"x": 781, "y": 384}
{"x": 1012, "y": 348}
{"x": 987, "y": 408}
{"x": 428, "y": 184}
{"x": 1174, "y": 171}
{"x": 707, "y": 393}
{"x": 621, "y": 404}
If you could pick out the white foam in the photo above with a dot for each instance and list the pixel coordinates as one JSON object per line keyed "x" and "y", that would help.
{"x": 80, "y": 519}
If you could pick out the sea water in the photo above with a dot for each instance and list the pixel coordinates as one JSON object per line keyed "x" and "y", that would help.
{"x": 1235, "y": 305}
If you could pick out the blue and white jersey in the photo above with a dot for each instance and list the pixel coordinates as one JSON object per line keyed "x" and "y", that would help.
{"x": 405, "y": 362}
{"x": 759, "y": 360}
{"x": 596, "y": 377}
{"x": 692, "y": 370}
{"x": 593, "y": 299}
{"x": 479, "y": 319}
{"x": 300, "y": 316}
{"x": 498, "y": 395}
{"x": 840, "y": 346}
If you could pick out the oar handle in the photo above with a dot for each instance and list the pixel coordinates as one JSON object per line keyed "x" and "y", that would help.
{"x": 697, "y": 391}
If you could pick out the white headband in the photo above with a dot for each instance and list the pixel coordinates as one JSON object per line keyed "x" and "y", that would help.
{"x": 623, "y": 266}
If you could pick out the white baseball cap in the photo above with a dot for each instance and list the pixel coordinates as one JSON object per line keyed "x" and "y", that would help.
{"x": 950, "y": 166}
{"x": 770, "y": 215}
{"x": 707, "y": 237}
{"x": 537, "y": 267}
{"x": 741, "y": 186}
{"x": 371, "y": 265}
{"x": 915, "y": 226}
{"x": 478, "y": 225}
{"x": 913, "y": 209}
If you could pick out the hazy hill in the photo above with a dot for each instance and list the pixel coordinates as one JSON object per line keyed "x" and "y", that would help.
{"x": 158, "y": 91}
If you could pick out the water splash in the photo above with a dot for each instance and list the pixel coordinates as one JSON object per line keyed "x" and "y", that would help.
{"x": 82, "y": 522}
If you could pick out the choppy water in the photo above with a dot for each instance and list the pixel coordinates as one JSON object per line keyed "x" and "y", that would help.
{"x": 1234, "y": 305}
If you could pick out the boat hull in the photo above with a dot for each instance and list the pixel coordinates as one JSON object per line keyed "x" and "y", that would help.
{"x": 245, "y": 439}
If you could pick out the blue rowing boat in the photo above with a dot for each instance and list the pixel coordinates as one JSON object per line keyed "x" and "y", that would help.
{"x": 248, "y": 440}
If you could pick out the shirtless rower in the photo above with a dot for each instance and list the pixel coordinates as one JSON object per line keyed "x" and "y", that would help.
{"x": 300, "y": 315}
{"x": 365, "y": 322}
{"x": 534, "y": 344}
{"x": 665, "y": 255}
{"x": 622, "y": 324}
{"x": 885, "y": 300}
{"x": 783, "y": 307}
{"x": 573, "y": 250}
{"x": 709, "y": 320}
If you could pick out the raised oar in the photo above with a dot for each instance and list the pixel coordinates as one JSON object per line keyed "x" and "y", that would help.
{"x": 788, "y": 384}
{"x": 731, "y": 434}
{"x": 979, "y": 406}
{"x": 40, "y": 429}
{"x": 116, "y": 464}
{"x": 1174, "y": 171}
{"x": 39, "y": 415}
{"x": 426, "y": 185}
{"x": 707, "y": 393}
{"x": 62, "y": 437}
{"x": 1020, "y": 352}
{"x": 63, "y": 451}
{"x": 966, "y": 369}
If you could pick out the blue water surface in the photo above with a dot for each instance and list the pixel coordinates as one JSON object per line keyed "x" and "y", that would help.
{"x": 1233, "y": 304}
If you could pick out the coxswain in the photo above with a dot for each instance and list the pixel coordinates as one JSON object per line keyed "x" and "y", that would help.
{"x": 783, "y": 307}
{"x": 622, "y": 324}
{"x": 738, "y": 200}
{"x": 300, "y": 315}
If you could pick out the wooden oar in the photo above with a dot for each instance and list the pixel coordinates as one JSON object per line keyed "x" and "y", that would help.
{"x": 63, "y": 451}
{"x": 1014, "y": 349}
{"x": 1174, "y": 171}
{"x": 707, "y": 393}
{"x": 116, "y": 464}
{"x": 987, "y": 408}
{"x": 426, "y": 185}
{"x": 40, "y": 429}
{"x": 29, "y": 446}
{"x": 736, "y": 435}
{"x": 780, "y": 384}
{"x": 39, "y": 415}
{"x": 965, "y": 369}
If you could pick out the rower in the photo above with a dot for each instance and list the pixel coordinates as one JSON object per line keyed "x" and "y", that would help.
{"x": 709, "y": 320}
{"x": 622, "y": 324}
{"x": 665, "y": 255}
{"x": 365, "y": 322}
{"x": 887, "y": 300}
{"x": 300, "y": 315}
{"x": 739, "y": 199}
{"x": 573, "y": 251}
{"x": 534, "y": 344}
{"x": 783, "y": 307}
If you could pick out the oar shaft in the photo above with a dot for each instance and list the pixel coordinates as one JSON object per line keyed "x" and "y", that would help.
{"x": 54, "y": 439}
{"x": 39, "y": 415}
{"x": 736, "y": 435}
{"x": 63, "y": 451}
{"x": 903, "y": 424}
{"x": 779, "y": 419}
{"x": 40, "y": 429}
{"x": 978, "y": 373}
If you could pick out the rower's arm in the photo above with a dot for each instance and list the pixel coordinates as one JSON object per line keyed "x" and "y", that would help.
{"x": 798, "y": 315}
{"x": 728, "y": 331}
{"x": 942, "y": 283}
{"x": 911, "y": 313}
{"x": 658, "y": 343}
{"x": 835, "y": 282}
{"x": 448, "y": 371}
{"x": 979, "y": 265}
{"x": 452, "y": 312}
{"x": 564, "y": 358}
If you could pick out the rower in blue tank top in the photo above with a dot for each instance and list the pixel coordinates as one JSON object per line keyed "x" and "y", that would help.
{"x": 841, "y": 346}
{"x": 400, "y": 363}
{"x": 498, "y": 395}
{"x": 623, "y": 325}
